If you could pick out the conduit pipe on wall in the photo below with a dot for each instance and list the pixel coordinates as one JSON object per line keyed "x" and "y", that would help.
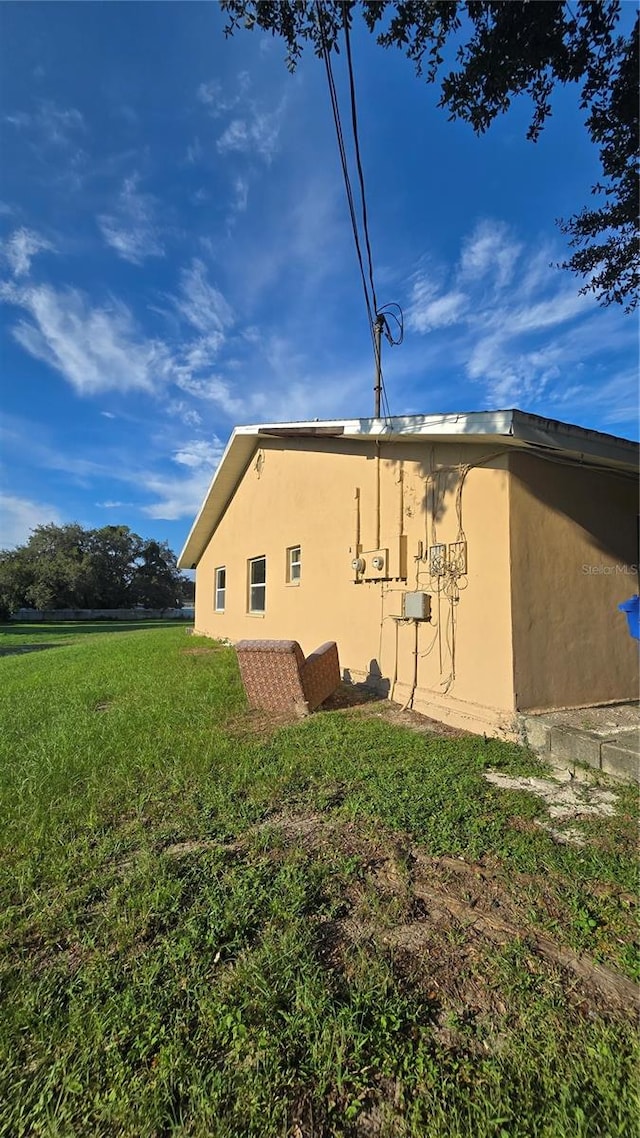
{"x": 395, "y": 663}
{"x": 401, "y": 510}
{"x": 357, "y": 520}
{"x": 414, "y": 685}
{"x": 377, "y": 541}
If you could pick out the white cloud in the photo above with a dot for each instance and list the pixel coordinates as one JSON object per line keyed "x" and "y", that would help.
{"x": 21, "y": 247}
{"x": 99, "y": 348}
{"x": 195, "y": 152}
{"x": 615, "y": 399}
{"x": 219, "y": 101}
{"x": 53, "y": 124}
{"x": 95, "y": 349}
{"x": 108, "y": 414}
{"x": 177, "y": 499}
{"x": 130, "y": 229}
{"x": 178, "y": 409}
{"x": 252, "y": 130}
{"x": 254, "y": 133}
{"x": 210, "y": 94}
{"x": 490, "y": 251}
{"x": 241, "y": 191}
{"x": 428, "y": 309}
{"x": 199, "y": 452}
{"x": 203, "y": 306}
{"x": 521, "y": 330}
{"x": 215, "y": 390}
{"x": 18, "y": 516}
{"x": 548, "y": 312}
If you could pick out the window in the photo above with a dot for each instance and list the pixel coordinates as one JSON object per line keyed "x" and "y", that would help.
{"x": 220, "y": 589}
{"x": 294, "y": 562}
{"x": 257, "y": 584}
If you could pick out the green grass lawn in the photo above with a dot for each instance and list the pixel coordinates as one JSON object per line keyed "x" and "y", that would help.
{"x": 214, "y": 925}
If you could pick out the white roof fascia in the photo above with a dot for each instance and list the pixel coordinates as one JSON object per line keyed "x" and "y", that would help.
{"x": 510, "y": 428}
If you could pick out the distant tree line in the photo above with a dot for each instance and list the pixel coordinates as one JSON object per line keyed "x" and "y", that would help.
{"x": 68, "y": 566}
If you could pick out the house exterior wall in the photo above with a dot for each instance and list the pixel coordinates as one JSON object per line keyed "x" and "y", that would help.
{"x": 573, "y": 548}
{"x": 322, "y": 496}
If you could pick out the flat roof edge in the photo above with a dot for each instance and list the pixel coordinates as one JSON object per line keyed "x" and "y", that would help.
{"x": 513, "y": 428}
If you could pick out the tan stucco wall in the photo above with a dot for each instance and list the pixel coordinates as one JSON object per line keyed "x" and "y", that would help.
{"x": 304, "y": 492}
{"x": 573, "y": 542}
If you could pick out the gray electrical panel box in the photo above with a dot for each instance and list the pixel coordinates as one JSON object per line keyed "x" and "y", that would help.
{"x": 416, "y": 606}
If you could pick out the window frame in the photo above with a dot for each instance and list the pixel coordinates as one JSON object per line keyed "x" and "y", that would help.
{"x": 217, "y": 588}
{"x": 256, "y": 585}
{"x": 292, "y": 579}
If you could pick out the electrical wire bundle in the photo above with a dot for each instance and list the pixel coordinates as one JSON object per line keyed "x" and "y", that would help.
{"x": 377, "y": 317}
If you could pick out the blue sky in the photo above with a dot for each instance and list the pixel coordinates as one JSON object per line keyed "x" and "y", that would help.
{"x": 176, "y": 258}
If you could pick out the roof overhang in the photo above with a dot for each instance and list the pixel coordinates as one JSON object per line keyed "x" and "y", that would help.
{"x": 509, "y": 429}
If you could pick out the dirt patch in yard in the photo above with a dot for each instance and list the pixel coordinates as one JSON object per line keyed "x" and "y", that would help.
{"x": 348, "y": 699}
{"x": 438, "y": 917}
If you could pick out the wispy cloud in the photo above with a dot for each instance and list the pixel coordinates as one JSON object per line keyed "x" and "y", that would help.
{"x": 20, "y": 516}
{"x": 241, "y": 195}
{"x": 219, "y": 100}
{"x": 256, "y": 133}
{"x": 429, "y": 309}
{"x": 615, "y": 399}
{"x": 251, "y": 129}
{"x": 95, "y": 348}
{"x": 489, "y": 252}
{"x": 176, "y": 499}
{"x": 21, "y": 247}
{"x": 131, "y": 228}
{"x": 201, "y": 304}
{"x": 514, "y": 325}
{"x": 199, "y": 452}
{"x": 216, "y": 390}
{"x": 182, "y": 497}
{"x": 54, "y": 125}
{"x": 101, "y": 347}
{"x": 180, "y": 409}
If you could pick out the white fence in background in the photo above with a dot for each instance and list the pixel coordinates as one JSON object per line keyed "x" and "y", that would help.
{"x": 54, "y": 616}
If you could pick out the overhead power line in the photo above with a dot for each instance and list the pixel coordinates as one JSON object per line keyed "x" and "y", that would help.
{"x": 377, "y": 318}
{"x": 343, "y": 157}
{"x": 356, "y": 144}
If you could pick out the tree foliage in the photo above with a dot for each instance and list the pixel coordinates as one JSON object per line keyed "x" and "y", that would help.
{"x": 504, "y": 49}
{"x": 70, "y": 567}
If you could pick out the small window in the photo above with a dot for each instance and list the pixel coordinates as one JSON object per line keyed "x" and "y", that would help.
{"x": 294, "y": 564}
{"x": 258, "y": 584}
{"x": 220, "y": 589}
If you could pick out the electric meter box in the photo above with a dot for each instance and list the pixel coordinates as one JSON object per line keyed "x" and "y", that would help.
{"x": 416, "y": 606}
{"x": 376, "y": 564}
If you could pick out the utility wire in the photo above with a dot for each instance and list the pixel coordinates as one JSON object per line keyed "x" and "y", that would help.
{"x": 356, "y": 144}
{"x": 343, "y": 159}
{"x": 370, "y": 301}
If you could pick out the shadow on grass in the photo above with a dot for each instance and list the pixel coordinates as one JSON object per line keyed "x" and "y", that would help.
{"x": 79, "y": 628}
{"x": 22, "y": 649}
{"x": 351, "y": 695}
